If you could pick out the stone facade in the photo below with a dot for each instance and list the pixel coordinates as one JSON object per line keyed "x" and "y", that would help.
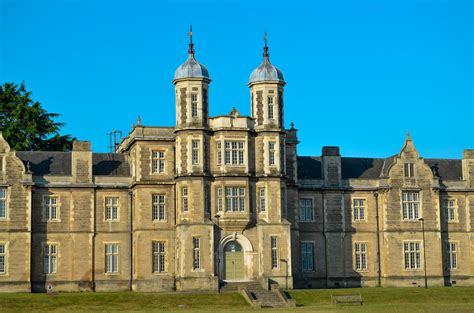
{"x": 227, "y": 198}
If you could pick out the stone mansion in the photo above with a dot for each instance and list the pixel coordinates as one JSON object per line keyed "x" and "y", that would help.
{"x": 227, "y": 198}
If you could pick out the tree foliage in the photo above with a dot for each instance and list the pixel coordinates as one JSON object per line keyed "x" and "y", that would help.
{"x": 26, "y": 125}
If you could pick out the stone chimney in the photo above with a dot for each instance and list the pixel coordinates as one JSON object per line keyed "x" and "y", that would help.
{"x": 331, "y": 163}
{"x": 81, "y": 159}
{"x": 468, "y": 167}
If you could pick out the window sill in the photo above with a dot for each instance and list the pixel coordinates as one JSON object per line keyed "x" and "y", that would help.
{"x": 112, "y": 274}
{"x": 413, "y": 269}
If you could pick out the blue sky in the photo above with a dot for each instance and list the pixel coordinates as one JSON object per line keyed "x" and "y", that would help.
{"x": 360, "y": 74}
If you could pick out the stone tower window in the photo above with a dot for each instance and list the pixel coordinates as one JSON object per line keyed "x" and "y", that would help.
{"x": 271, "y": 153}
{"x": 194, "y": 105}
{"x": 196, "y": 253}
{"x": 159, "y": 257}
{"x": 275, "y": 258}
{"x": 195, "y": 152}
{"x": 270, "y": 108}
{"x": 307, "y": 256}
{"x": 262, "y": 200}
{"x": 158, "y": 208}
{"x": 184, "y": 196}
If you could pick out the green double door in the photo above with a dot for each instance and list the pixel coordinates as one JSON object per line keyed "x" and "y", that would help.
{"x": 234, "y": 261}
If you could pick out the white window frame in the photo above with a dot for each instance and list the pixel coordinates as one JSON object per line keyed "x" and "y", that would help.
{"x": 411, "y": 205}
{"x": 112, "y": 258}
{"x": 306, "y": 212}
{"x": 360, "y": 256}
{"x": 234, "y": 152}
{"x": 359, "y": 209}
{"x": 235, "y": 199}
{"x": 275, "y": 252}
{"x": 158, "y": 208}
{"x": 50, "y": 258}
{"x": 3, "y": 258}
{"x": 196, "y": 253}
{"x": 111, "y": 209}
{"x": 3, "y": 203}
{"x": 271, "y": 153}
{"x": 451, "y": 210}
{"x": 307, "y": 256}
{"x": 262, "y": 201}
{"x": 409, "y": 170}
{"x": 195, "y": 152}
{"x": 158, "y": 249}
{"x": 452, "y": 255}
{"x": 158, "y": 161}
{"x": 194, "y": 105}
{"x": 185, "y": 199}
{"x": 51, "y": 208}
{"x": 412, "y": 255}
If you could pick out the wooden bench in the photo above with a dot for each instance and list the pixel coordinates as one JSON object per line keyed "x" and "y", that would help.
{"x": 345, "y": 299}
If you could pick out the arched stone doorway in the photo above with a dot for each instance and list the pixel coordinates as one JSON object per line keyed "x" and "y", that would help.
{"x": 233, "y": 261}
{"x": 229, "y": 247}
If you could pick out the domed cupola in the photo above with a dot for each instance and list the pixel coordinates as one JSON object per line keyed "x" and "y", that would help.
{"x": 266, "y": 71}
{"x": 191, "y": 68}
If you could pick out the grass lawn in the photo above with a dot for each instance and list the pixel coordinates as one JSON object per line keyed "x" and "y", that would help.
{"x": 386, "y": 300}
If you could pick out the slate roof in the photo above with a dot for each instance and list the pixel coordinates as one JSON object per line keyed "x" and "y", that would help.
{"x": 373, "y": 168}
{"x": 59, "y": 163}
{"x": 446, "y": 169}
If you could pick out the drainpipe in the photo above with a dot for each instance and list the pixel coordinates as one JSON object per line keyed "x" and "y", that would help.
{"x": 94, "y": 234}
{"x": 379, "y": 272}
{"x": 130, "y": 197}
{"x": 325, "y": 242}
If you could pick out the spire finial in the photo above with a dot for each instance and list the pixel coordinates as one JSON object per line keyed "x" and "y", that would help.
{"x": 408, "y": 136}
{"x": 266, "y": 55}
{"x": 191, "y": 45}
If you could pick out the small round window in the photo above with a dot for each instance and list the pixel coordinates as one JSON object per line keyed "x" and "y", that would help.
{"x": 233, "y": 246}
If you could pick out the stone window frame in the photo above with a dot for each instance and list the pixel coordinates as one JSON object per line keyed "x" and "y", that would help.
{"x": 159, "y": 161}
{"x": 420, "y": 243}
{"x": 239, "y": 196}
{"x": 58, "y": 208}
{"x": 353, "y": 217}
{"x": 5, "y": 256}
{"x": 449, "y": 255}
{"x": 313, "y": 243}
{"x": 112, "y": 273}
{"x": 196, "y": 253}
{"x": 272, "y": 155}
{"x": 158, "y": 208}
{"x": 239, "y": 152}
{"x": 7, "y": 203}
{"x": 420, "y": 204}
{"x": 277, "y": 250}
{"x": 360, "y": 253}
{"x": 409, "y": 170}
{"x": 184, "y": 208}
{"x": 313, "y": 213}
{"x": 58, "y": 256}
{"x": 165, "y": 255}
{"x": 446, "y": 210}
{"x": 119, "y": 207}
{"x": 195, "y": 153}
{"x": 270, "y": 106}
{"x": 194, "y": 104}
{"x": 262, "y": 198}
